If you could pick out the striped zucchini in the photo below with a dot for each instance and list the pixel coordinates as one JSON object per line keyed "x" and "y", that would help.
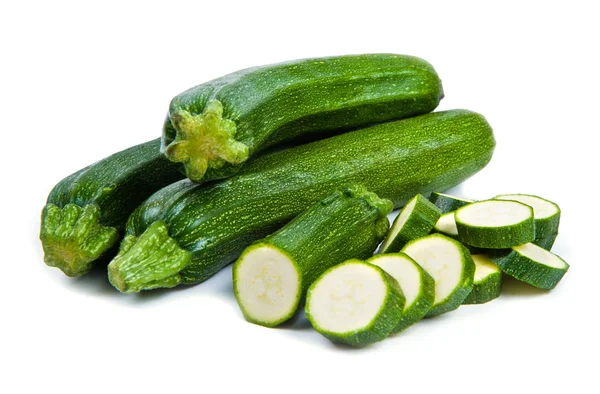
{"x": 213, "y": 128}
{"x": 271, "y": 276}
{"x": 86, "y": 212}
{"x": 214, "y": 223}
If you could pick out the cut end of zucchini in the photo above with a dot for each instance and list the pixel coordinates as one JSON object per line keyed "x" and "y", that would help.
{"x": 495, "y": 224}
{"x": 355, "y": 303}
{"x": 447, "y": 225}
{"x": 546, "y": 214}
{"x": 150, "y": 261}
{"x": 204, "y": 141}
{"x": 487, "y": 283}
{"x": 73, "y": 238}
{"x": 267, "y": 285}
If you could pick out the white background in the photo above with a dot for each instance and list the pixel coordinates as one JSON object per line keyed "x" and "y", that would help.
{"x": 81, "y": 81}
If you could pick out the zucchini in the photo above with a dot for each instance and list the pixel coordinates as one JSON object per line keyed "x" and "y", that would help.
{"x": 213, "y": 128}
{"x": 451, "y": 266}
{"x": 531, "y": 264}
{"x": 271, "y": 276}
{"x": 415, "y": 220}
{"x": 495, "y": 224}
{"x": 417, "y": 286}
{"x": 487, "y": 282}
{"x": 355, "y": 303}
{"x": 216, "y": 222}
{"x": 547, "y": 242}
{"x": 546, "y": 214}
{"x": 86, "y": 212}
{"x": 447, "y": 203}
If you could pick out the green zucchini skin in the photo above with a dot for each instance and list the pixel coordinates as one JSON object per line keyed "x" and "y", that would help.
{"x": 447, "y": 203}
{"x": 395, "y": 160}
{"x": 418, "y": 223}
{"x": 348, "y": 223}
{"x": 215, "y": 127}
{"x": 488, "y": 287}
{"x": 87, "y": 211}
{"x": 546, "y": 242}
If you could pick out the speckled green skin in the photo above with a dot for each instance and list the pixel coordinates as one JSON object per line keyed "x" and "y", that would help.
{"x": 464, "y": 287}
{"x": 395, "y": 160}
{"x": 544, "y": 227}
{"x": 447, "y": 203}
{"x": 547, "y": 242}
{"x": 424, "y": 301}
{"x": 485, "y": 290}
{"x": 489, "y": 237}
{"x": 380, "y": 327}
{"x": 349, "y": 223}
{"x": 526, "y": 270}
{"x": 308, "y": 98}
{"x": 419, "y": 223}
{"x": 86, "y": 212}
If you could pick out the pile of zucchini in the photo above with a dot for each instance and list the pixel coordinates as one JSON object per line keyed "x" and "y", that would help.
{"x": 290, "y": 170}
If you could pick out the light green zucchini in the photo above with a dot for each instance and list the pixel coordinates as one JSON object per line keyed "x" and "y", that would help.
{"x": 213, "y": 128}
{"x": 546, "y": 214}
{"x": 451, "y": 266}
{"x": 355, "y": 303}
{"x": 487, "y": 283}
{"x": 447, "y": 203}
{"x": 415, "y": 220}
{"x": 417, "y": 286}
{"x": 531, "y": 264}
{"x": 271, "y": 276}
{"x": 495, "y": 224}
{"x": 217, "y": 221}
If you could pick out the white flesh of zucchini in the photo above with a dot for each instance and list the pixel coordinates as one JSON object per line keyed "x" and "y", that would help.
{"x": 493, "y": 213}
{"x": 447, "y": 225}
{"x": 274, "y": 288}
{"x": 348, "y": 299}
{"x": 399, "y": 223}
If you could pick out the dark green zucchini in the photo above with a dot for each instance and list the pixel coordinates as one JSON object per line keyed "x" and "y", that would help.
{"x": 215, "y": 127}
{"x": 210, "y": 225}
{"x": 86, "y": 212}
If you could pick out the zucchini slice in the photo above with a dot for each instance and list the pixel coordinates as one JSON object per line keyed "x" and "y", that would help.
{"x": 495, "y": 224}
{"x": 416, "y": 284}
{"x": 531, "y": 264}
{"x": 487, "y": 282}
{"x": 355, "y": 303}
{"x": 546, "y": 214}
{"x": 415, "y": 220}
{"x": 447, "y": 203}
{"x": 271, "y": 276}
{"x": 547, "y": 242}
{"x": 213, "y": 128}
{"x": 451, "y": 266}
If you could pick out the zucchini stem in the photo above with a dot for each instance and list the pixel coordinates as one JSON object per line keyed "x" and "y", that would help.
{"x": 205, "y": 140}
{"x": 150, "y": 261}
{"x": 73, "y": 238}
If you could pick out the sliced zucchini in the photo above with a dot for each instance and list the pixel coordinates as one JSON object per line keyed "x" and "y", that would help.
{"x": 415, "y": 220}
{"x": 451, "y": 266}
{"x": 546, "y": 214}
{"x": 531, "y": 264}
{"x": 447, "y": 203}
{"x": 417, "y": 285}
{"x": 355, "y": 303}
{"x": 487, "y": 282}
{"x": 495, "y": 224}
{"x": 546, "y": 242}
{"x": 447, "y": 225}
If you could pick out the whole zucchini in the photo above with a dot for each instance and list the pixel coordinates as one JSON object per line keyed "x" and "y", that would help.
{"x": 215, "y": 127}
{"x": 185, "y": 233}
{"x": 86, "y": 211}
